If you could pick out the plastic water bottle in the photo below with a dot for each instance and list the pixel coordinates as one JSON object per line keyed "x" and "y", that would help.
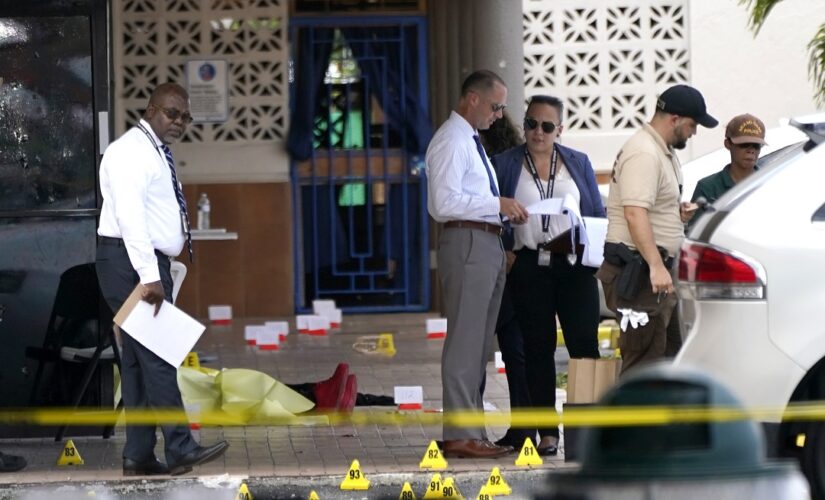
{"x": 203, "y": 211}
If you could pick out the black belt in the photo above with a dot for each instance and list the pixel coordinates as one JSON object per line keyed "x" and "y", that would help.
{"x": 108, "y": 240}
{"x": 471, "y": 224}
{"x": 118, "y": 242}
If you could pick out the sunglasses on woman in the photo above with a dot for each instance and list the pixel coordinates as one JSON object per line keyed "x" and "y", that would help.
{"x": 532, "y": 123}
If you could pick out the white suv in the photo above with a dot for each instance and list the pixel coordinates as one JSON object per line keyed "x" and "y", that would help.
{"x": 752, "y": 286}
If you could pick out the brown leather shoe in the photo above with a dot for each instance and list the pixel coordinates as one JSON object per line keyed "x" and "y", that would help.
{"x": 474, "y": 448}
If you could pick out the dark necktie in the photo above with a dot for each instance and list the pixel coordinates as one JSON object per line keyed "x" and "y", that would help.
{"x": 181, "y": 200}
{"x": 493, "y": 188}
{"x": 481, "y": 152}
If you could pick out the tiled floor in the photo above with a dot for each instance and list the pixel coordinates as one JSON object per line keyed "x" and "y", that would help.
{"x": 299, "y": 450}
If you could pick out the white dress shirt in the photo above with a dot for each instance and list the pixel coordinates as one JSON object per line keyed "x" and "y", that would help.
{"x": 458, "y": 185}
{"x": 531, "y": 233}
{"x": 139, "y": 203}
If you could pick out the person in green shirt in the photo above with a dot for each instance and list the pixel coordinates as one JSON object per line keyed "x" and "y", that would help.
{"x": 744, "y": 138}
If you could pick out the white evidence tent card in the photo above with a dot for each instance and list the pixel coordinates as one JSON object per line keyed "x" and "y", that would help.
{"x": 437, "y": 326}
{"x": 321, "y": 306}
{"x": 409, "y": 396}
{"x": 302, "y": 322}
{"x": 282, "y": 328}
{"x": 220, "y": 314}
{"x": 317, "y": 324}
{"x": 268, "y": 338}
{"x": 334, "y": 316}
{"x": 250, "y": 334}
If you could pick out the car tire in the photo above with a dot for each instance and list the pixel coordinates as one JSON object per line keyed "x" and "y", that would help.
{"x": 812, "y": 458}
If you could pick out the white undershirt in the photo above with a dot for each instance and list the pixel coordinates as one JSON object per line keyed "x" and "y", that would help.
{"x": 531, "y": 234}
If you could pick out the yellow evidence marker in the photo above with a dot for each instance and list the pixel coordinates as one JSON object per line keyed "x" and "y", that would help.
{"x": 433, "y": 459}
{"x": 192, "y": 360}
{"x": 434, "y": 488}
{"x": 496, "y": 485}
{"x": 313, "y": 495}
{"x": 528, "y": 455}
{"x": 406, "y": 492}
{"x": 450, "y": 490}
{"x": 69, "y": 455}
{"x": 483, "y": 494}
{"x": 386, "y": 345}
{"x": 355, "y": 479}
{"x": 243, "y": 493}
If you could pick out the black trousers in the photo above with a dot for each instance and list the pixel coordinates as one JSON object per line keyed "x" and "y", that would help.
{"x": 147, "y": 381}
{"x": 511, "y": 344}
{"x": 539, "y": 293}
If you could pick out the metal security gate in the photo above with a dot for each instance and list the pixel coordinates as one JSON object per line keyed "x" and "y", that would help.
{"x": 359, "y": 129}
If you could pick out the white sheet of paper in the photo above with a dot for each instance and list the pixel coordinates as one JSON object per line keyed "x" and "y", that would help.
{"x": 595, "y": 232}
{"x": 171, "y": 334}
{"x": 547, "y": 206}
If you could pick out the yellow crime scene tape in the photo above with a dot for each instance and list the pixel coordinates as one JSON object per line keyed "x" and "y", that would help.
{"x": 531, "y": 418}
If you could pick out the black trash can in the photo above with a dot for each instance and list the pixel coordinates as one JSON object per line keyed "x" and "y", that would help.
{"x": 711, "y": 456}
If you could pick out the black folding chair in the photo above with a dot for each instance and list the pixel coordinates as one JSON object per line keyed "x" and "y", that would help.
{"x": 77, "y": 308}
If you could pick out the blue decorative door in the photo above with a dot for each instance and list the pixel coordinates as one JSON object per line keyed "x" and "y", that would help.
{"x": 359, "y": 130}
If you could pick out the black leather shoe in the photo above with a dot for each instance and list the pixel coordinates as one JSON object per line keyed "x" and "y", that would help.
{"x": 513, "y": 439}
{"x": 11, "y": 463}
{"x": 151, "y": 467}
{"x": 198, "y": 456}
{"x": 551, "y": 450}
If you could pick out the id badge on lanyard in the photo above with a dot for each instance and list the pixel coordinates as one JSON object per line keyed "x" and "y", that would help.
{"x": 544, "y": 257}
{"x": 184, "y": 223}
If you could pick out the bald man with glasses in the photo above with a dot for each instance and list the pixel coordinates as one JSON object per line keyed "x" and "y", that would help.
{"x": 464, "y": 198}
{"x": 144, "y": 222}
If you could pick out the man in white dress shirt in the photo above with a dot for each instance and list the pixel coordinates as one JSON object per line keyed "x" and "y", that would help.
{"x": 144, "y": 222}
{"x": 463, "y": 196}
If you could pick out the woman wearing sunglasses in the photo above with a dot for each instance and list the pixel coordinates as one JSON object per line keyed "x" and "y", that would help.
{"x": 542, "y": 283}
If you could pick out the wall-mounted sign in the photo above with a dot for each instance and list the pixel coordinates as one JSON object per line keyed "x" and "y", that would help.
{"x": 208, "y": 84}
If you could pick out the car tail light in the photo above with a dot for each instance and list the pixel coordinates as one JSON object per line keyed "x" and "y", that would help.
{"x": 716, "y": 273}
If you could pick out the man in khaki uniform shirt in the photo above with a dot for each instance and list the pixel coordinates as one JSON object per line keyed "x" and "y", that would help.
{"x": 646, "y": 219}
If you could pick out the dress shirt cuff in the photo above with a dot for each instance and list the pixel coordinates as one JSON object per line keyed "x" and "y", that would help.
{"x": 495, "y": 206}
{"x": 149, "y": 274}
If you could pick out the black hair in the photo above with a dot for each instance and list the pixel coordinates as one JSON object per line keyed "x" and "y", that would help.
{"x": 501, "y": 136}
{"x": 482, "y": 79}
{"x": 549, "y": 100}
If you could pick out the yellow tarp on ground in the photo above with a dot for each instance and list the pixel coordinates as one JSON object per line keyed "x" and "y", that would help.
{"x": 248, "y": 395}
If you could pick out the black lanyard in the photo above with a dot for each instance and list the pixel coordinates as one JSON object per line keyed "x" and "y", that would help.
{"x": 154, "y": 144}
{"x": 551, "y": 182}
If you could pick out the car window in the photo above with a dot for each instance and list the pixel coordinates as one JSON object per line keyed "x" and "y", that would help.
{"x": 702, "y": 228}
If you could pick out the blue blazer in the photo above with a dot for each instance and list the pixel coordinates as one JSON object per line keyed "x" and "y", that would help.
{"x": 508, "y": 166}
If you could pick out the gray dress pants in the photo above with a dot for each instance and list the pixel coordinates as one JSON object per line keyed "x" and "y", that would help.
{"x": 472, "y": 269}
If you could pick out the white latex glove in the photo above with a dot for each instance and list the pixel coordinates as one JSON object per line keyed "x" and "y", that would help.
{"x": 635, "y": 318}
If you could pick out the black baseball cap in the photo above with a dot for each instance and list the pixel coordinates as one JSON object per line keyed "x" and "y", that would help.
{"x": 684, "y": 100}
